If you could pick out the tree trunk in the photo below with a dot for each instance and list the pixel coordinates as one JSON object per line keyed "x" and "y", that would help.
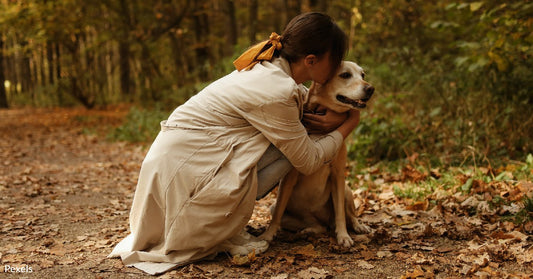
{"x": 12, "y": 71}
{"x": 25, "y": 71}
{"x": 201, "y": 31}
{"x": 124, "y": 64}
{"x": 3, "y": 95}
{"x": 292, "y": 8}
{"x": 57, "y": 74}
{"x": 42, "y": 71}
{"x": 124, "y": 52}
{"x": 180, "y": 64}
{"x": 319, "y": 5}
{"x": 277, "y": 17}
{"x": 77, "y": 85}
{"x": 232, "y": 28}
{"x": 252, "y": 21}
{"x": 58, "y": 62}
{"x": 50, "y": 59}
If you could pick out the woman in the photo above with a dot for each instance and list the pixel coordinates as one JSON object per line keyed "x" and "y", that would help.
{"x": 198, "y": 182}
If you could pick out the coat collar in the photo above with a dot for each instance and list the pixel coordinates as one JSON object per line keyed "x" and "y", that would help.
{"x": 303, "y": 91}
{"x": 283, "y": 64}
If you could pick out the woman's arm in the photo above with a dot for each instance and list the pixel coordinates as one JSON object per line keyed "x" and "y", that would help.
{"x": 351, "y": 122}
{"x": 323, "y": 121}
{"x": 280, "y": 123}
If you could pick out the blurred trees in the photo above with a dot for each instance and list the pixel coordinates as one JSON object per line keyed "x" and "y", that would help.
{"x": 98, "y": 52}
{"x": 460, "y": 71}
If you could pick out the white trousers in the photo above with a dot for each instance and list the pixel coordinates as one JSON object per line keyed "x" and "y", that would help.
{"x": 271, "y": 168}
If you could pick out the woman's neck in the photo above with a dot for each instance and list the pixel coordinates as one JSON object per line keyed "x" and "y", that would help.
{"x": 299, "y": 72}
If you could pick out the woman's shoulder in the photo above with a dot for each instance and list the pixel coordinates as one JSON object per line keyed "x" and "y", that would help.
{"x": 265, "y": 78}
{"x": 276, "y": 70}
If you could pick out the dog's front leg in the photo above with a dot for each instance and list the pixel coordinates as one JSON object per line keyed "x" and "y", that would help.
{"x": 337, "y": 181}
{"x": 284, "y": 193}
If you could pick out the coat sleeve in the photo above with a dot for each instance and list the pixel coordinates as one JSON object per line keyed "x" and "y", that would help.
{"x": 280, "y": 123}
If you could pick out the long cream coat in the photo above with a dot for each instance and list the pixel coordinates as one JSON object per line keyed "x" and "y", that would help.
{"x": 198, "y": 182}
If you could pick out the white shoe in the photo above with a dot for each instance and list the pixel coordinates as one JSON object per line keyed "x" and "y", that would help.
{"x": 243, "y": 244}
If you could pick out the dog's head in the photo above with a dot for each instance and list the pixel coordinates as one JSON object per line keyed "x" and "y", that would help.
{"x": 346, "y": 90}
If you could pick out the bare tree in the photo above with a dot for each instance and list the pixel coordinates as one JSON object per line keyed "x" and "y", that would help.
{"x": 253, "y": 20}
{"x": 3, "y": 97}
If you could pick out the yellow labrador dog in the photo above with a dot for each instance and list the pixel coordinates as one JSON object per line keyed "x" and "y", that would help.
{"x": 309, "y": 203}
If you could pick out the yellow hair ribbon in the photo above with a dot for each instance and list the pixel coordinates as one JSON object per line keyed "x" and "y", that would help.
{"x": 259, "y": 52}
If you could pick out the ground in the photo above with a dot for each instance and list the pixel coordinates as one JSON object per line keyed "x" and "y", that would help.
{"x": 66, "y": 192}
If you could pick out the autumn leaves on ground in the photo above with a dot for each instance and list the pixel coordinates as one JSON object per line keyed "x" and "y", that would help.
{"x": 66, "y": 193}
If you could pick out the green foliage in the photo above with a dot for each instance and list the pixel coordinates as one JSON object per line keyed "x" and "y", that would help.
{"x": 521, "y": 171}
{"x": 468, "y": 72}
{"x": 453, "y": 78}
{"x": 414, "y": 191}
{"x": 526, "y": 214}
{"x": 378, "y": 138}
{"x": 498, "y": 188}
{"x": 140, "y": 125}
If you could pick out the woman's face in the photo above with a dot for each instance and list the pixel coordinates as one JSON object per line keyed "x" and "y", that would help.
{"x": 322, "y": 69}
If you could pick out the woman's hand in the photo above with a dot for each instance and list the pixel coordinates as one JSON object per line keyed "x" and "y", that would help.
{"x": 351, "y": 122}
{"x": 323, "y": 120}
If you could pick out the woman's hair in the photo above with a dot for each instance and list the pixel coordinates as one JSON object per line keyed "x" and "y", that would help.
{"x": 313, "y": 33}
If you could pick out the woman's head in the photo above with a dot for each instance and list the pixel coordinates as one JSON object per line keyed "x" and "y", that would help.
{"x": 313, "y": 33}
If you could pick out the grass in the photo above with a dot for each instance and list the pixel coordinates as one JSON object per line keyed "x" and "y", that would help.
{"x": 500, "y": 188}
{"x": 140, "y": 125}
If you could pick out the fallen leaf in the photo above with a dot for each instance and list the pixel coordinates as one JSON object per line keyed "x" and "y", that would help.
{"x": 44, "y": 263}
{"x": 445, "y": 249}
{"x": 66, "y": 262}
{"x": 384, "y": 254}
{"x": 313, "y": 273}
{"x": 307, "y": 250}
{"x": 58, "y": 250}
{"x": 418, "y": 206}
{"x": 242, "y": 260}
{"x": 417, "y": 273}
{"x": 419, "y": 258}
{"x": 364, "y": 264}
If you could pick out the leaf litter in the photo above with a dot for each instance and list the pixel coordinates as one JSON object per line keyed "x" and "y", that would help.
{"x": 66, "y": 195}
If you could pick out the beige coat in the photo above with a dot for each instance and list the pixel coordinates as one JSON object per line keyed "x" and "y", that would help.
{"x": 198, "y": 182}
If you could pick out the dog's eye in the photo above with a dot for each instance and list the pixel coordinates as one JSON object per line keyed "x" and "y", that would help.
{"x": 345, "y": 75}
{"x": 363, "y": 75}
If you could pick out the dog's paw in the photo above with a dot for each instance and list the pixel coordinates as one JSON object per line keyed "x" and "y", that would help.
{"x": 268, "y": 235}
{"x": 314, "y": 230}
{"x": 344, "y": 240}
{"x": 361, "y": 228}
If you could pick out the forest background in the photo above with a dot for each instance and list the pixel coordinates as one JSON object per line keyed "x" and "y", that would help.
{"x": 441, "y": 164}
{"x": 453, "y": 78}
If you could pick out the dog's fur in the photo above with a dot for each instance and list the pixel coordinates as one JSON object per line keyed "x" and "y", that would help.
{"x": 308, "y": 203}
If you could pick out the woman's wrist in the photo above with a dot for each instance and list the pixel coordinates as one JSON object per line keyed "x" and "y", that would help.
{"x": 349, "y": 125}
{"x": 323, "y": 121}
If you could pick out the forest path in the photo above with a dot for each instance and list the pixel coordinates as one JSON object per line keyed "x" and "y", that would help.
{"x": 65, "y": 194}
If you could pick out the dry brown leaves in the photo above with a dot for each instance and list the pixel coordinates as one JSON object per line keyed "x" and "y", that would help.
{"x": 66, "y": 193}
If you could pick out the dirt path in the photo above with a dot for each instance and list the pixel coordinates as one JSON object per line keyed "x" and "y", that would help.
{"x": 65, "y": 195}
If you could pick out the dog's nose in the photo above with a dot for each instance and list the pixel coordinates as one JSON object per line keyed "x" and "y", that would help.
{"x": 369, "y": 90}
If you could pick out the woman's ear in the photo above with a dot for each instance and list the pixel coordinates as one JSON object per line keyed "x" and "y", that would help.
{"x": 310, "y": 60}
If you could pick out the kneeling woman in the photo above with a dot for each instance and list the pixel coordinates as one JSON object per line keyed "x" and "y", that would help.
{"x": 199, "y": 180}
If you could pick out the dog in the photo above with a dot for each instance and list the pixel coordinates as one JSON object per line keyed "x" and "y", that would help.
{"x": 308, "y": 203}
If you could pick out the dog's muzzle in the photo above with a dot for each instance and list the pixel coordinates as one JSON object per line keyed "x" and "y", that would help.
{"x": 359, "y": 103}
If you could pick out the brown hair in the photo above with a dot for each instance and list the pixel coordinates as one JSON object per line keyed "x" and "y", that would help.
{"x": 313, "y": 33}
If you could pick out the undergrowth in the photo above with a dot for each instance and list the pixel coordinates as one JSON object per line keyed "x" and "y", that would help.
{"x": 140, "y": 125}
{"x": 499, "y": 187}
